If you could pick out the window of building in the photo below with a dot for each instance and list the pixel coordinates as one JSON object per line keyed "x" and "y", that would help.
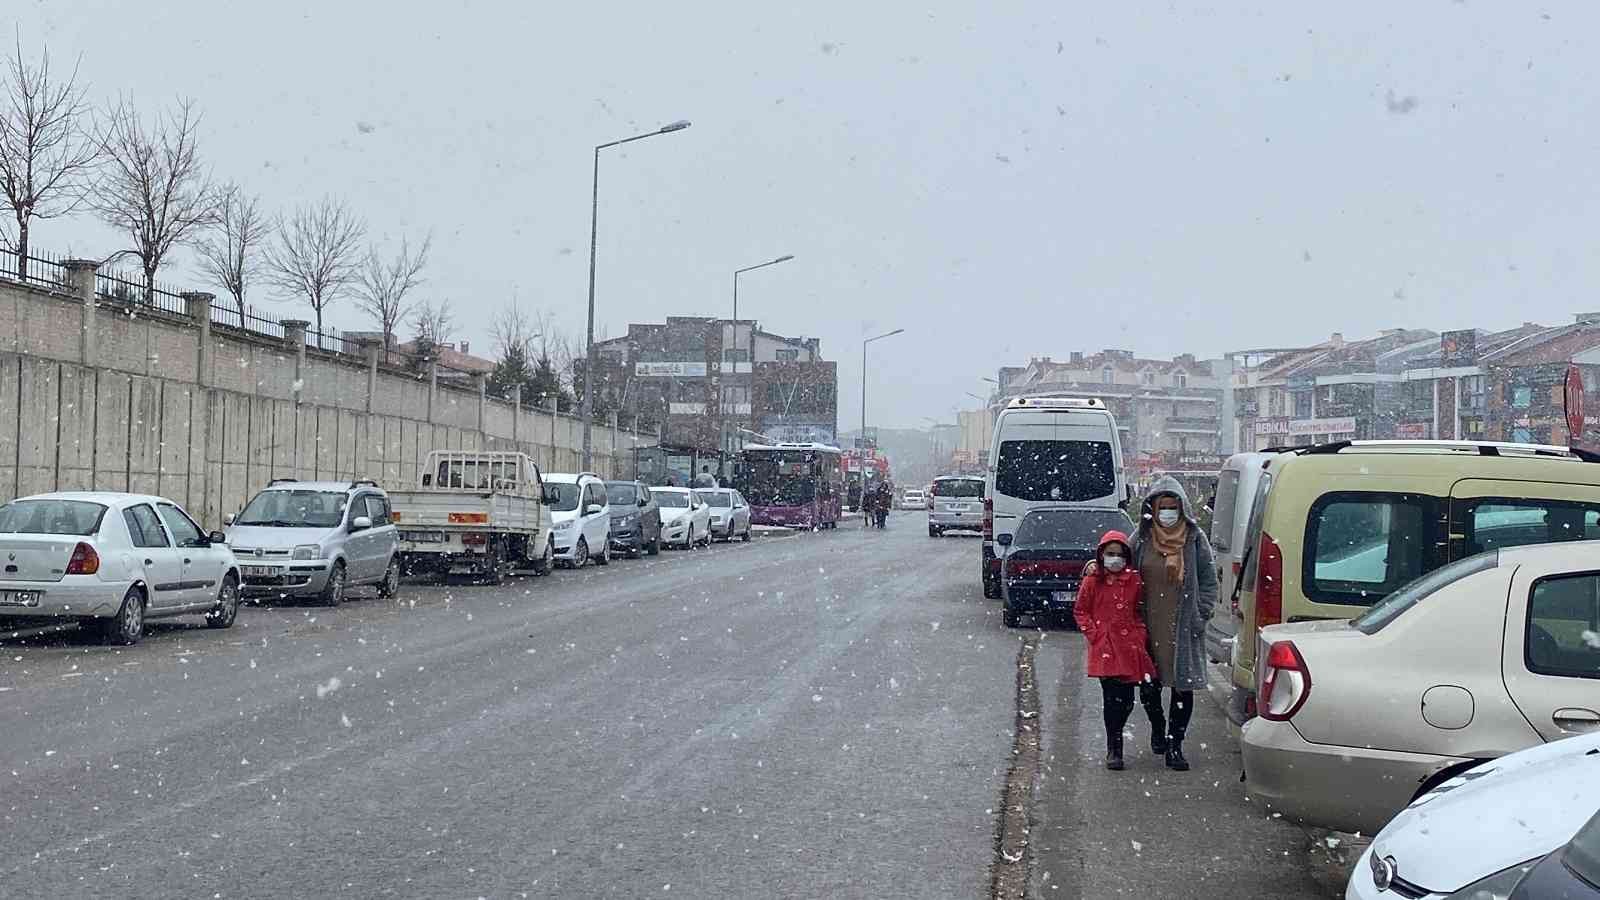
{"x": 789, "y": 355}
{"x": 1147, "y": 378}
{"x": 1521, "y": 397}
{"x": 1302, "y": 404}
{"x": 1180, "y": 379}
{"x": 1108, "y": 375}
{"x": 824, "y": 393}
{"x": 736, "y": 355}
{"x": 1474, "y": 392}
{"x": 735, "y": 393}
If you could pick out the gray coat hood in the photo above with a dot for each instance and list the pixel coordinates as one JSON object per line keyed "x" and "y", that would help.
{"x": 1166, "y": 484}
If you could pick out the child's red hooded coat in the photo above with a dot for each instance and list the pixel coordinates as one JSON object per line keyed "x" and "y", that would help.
{"x": 1108, "y": 614}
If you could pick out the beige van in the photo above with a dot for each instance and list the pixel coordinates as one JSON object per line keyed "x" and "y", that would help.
{"x": 1344, "y": 525}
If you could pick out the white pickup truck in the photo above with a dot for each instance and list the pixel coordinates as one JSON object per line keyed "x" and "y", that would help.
{"x": 478, "y": 514}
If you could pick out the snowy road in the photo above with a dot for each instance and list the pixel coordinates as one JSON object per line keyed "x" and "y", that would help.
{"x": 811, "y": 715}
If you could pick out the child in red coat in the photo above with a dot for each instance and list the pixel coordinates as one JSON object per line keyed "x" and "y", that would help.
{"x": 1108, "y": 614}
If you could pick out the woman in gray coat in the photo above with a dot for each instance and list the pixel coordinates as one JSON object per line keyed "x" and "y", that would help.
{"x": 1174, "y": 558}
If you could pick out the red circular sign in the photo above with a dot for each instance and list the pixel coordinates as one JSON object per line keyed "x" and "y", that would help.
{"x": 1574, "y": 404}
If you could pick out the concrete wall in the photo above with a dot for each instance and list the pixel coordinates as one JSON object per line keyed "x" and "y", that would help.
{"x": 207, "y": 417}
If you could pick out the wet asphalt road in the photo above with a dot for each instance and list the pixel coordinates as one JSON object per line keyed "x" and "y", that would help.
{"x": 820, "y": 715}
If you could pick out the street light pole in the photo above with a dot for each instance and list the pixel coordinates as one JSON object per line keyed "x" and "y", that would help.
{"x": 864, "y": 375}
{"x": 594, "y": 237}
{"x": 736, "y": 274}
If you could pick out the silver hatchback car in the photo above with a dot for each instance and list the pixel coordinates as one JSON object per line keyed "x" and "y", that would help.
{"x": 315, "y": 539}
{"x": 957, "y": 504}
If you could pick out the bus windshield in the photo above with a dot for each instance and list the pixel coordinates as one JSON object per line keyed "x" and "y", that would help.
{"x": 780, "y": 479}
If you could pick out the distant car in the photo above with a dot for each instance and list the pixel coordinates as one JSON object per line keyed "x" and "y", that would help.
{"x": 316, "y": 539}
{"x": 1044, "y": 559}
{"x": 1479, "y": 834}
{"x": 581, "y": 516}
{"x": 1483, "y": 657}
{"x": 730, "y": 514}
{"x": 635, "y": 518}
{"x": 113, "y": 561}
{"x": 913, "y": 500}
{"x": 685, "y": 518}
{"x": 955, "y": 504}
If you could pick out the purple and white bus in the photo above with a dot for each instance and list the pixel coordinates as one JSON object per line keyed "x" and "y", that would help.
{"x": 794, "y": 485}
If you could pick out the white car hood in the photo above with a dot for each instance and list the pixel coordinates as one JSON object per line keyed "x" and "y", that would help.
{"x": 268, "y": 537}
{"x": 670, "y": 514}
{"x": 557, "y": 516}
{"x": 1496, "y": 815}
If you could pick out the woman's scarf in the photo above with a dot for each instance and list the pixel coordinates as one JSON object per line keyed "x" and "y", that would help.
{"x": 1169, "y": 543}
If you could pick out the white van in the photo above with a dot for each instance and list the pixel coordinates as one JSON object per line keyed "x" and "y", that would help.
{"x": 1047, "y": 451}
{"x": 1236, "y": 491}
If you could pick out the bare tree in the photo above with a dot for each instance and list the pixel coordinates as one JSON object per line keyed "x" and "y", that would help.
{"x": 513, "y": 330}
{"x": 434, "y": 321}
{"x": 46, "y": 153}
{"x": 153, "y": 187}
{"x": 316, "y": 254}
{"x": 230, "y": 252}
{"x": 383, "y": 285}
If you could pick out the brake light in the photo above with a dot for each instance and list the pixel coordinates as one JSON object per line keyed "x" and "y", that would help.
{"x": 1043, "y": 568}
{"x": 459, "y": 518}
{"x": 1269, "y": 583}
{"x": 1233, "y": 602}
{"x": 474, "y": 539}
{"x": 988, "y": 518}
{"x": 1285, "y": 682}
{"x": 84, "y": 560}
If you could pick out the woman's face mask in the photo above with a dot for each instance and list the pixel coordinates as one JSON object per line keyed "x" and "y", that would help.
{"x": 1167, "y": 517}
{"x": 1114, "y": 562}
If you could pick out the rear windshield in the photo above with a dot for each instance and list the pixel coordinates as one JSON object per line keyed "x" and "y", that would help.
{"x": 1223, "y": 511}
{"x": 51, "y": 517}
{"x": 1061, "y": 471}
{"x": 1389, "y": 608}
{"x": 622, "y": 494}
{"x": 718, "y": 499}
{"x": 671, "y": 499}
{"x": 961, "y": 487}
{"x": 1070, "y": 527}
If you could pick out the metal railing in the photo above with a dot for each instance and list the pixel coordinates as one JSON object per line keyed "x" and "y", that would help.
{"x": 42, "y": 269}
{"x": 129, "y": 289}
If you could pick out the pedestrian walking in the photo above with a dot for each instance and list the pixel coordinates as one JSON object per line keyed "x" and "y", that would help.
{"x": 1107, "y": 612}
{"x": 1179, "y": 575}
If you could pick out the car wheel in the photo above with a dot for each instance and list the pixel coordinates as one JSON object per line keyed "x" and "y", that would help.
{"x": 333, "y": 591}
{"x": 603, "y": 558}
{"x": 746, "y": 536}
{"x": 546, "y": 563}
{"x": 390, "y": 585}
{"x": 991, "y": 588}
{"x": 227, "y": 608}
{"x": 655, "y": 545}
{"x": 127, "y": 626}
{"x": 1011, "y": 619}
{"x": 580, "y": 554}
{"x": 688, "y": 540}
{"x": 933, "y": 531}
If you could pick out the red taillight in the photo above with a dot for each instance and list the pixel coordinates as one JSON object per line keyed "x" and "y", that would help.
{"x": 84, "y": 560}
{"x": 1285, "y": 682}
{"x": 1269, "y": 582}
{"x": 988, "y": 519}
{"x": 1233, "y": 602}
{"x": 474, "y": 538}
{"x": 1046, "y": 568}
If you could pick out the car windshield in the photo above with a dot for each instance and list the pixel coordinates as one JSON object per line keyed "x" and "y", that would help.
{"x": 1070, "y": 527}
{"x": 717, "y": 498}
{"x": 278, "y": 508}
{"x": 51, "y": 517}
{"x": 962, "y": 489}
{"x": 622, "y": 495}
{"x": 671, "y": 499}
{"x": 567, "y": 495}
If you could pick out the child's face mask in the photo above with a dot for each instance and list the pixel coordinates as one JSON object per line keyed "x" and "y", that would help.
{"x": 1115, "y": 562}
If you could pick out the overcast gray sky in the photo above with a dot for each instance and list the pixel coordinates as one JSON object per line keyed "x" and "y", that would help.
{"x": 1002, "y": 180}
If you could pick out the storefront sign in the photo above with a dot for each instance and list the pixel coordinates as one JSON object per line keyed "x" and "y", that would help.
{"x": 1413, "y": 431}
{"x": 1298, "y": 427}
{"x": 670, "y": 369}
{"x": 686, "y": 409}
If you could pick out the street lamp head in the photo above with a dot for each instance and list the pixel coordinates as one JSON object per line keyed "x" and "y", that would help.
{"x": 785, "y": 258}
{"x": 679, "y": 125}
{"x": 895, "y": 332}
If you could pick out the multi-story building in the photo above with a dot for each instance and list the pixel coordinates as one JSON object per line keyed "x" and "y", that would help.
{"x": 1168, "y": 410}
{"x": 713, "y": 384}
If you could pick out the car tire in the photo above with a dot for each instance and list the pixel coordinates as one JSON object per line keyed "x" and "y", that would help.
{"x": 580, "y": 554}
{"x": 688, "y": 539}
{"x": 546, "y": 563}
{"x": 1011, "y": 618}
{"x": 127, "y": 626}
{"x": 390, "y": 585}
{"x": 604, "y": 556}
{"x": 934, "y": 531}
{"x": 991, "y": 588}
{"x": 655, "y": 545}
{"x": 227, "y": 608}
{"x": 746, "y": 536}
{"x": 333, "y": 592}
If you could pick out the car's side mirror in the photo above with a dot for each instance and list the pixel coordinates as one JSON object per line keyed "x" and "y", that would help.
{"x": 228, "y": 519}
{"x": 360, "y": 523}
{"x": 594, "y": 509}
{"x": 427, "y": 479}
{"x": 643, "y": 502}
{"x": 1003, "y": 540}
{"x": 217, "y": 537}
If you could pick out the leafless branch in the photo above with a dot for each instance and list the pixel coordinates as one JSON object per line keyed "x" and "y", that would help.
{"x": 153, "y": 188}
{"x": 316, "y": 255}
{"x": 230, "y": 251}
{"x": 382, "y": 286}
{"x": 434, "y": 321}
{"x": 512, "y": 328}
{"x": 47, "y": 155}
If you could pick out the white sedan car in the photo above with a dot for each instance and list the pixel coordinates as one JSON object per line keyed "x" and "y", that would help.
{"x": 1477, "y": 834}
{"x": 685, "y": 518}
{"x": 113, "y": 561}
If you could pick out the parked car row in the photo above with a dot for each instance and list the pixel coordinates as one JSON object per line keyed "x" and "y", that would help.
{"x": 114, "y": 561}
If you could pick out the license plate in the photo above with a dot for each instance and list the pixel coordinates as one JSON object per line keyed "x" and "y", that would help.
{"x": 958, "y": 507}
{"x": 260, "y": 571}
{"x": 423, "y": 537}
{"x": 1063, "y": 596}
{"x": 19, "y": 598}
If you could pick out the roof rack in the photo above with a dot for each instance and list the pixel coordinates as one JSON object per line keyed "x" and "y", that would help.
{"x": 1482, "y": 448}
{"x": 282, "y": 481}
{"x": 363, "y": 481}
